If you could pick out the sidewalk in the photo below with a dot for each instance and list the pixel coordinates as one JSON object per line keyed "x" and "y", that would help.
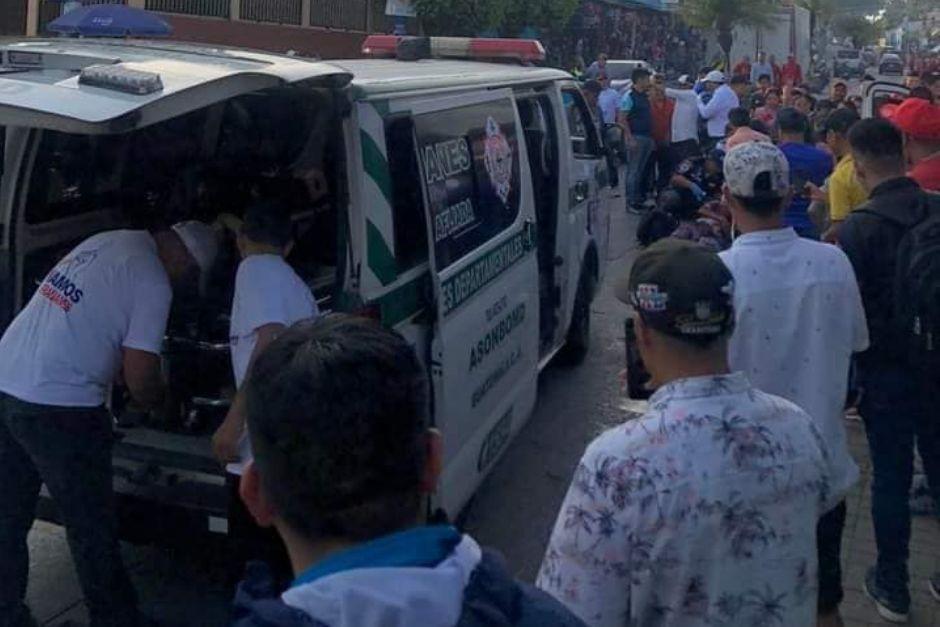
{"x": 858, "y": 551}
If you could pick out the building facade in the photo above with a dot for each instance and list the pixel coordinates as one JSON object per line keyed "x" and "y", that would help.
{"x": 318, "y": 28}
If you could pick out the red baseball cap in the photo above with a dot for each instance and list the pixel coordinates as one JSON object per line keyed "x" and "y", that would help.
{"x": 915, "y": 117}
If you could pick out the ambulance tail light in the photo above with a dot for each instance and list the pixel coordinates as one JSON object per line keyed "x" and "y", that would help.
{"x": 392, "y": 46}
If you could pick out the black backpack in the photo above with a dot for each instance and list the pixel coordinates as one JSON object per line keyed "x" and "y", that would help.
{"x": 917, "y": 286}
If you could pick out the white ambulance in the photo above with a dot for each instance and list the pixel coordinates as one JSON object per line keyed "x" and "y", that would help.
{"x": 465, "y": 203}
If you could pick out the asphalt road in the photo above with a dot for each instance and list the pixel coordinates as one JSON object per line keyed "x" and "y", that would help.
{"x": 513, "y": 511}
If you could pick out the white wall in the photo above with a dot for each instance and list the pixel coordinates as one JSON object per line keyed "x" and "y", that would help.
{"x": 774, "y": 40}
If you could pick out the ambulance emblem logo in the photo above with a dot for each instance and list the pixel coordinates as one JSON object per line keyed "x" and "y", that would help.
{"x": 497, "y": 158}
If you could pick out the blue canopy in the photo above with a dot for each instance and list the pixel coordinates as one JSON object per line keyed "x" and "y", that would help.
{"x": 110, "y": 20}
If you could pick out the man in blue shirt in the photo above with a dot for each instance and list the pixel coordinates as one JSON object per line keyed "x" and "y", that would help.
{"x": 636, "y": 118}
{"x": 343, "y": 463}
{"x": 808, "y": 164}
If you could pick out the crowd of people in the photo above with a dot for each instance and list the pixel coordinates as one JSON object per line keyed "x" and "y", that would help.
{"x": 676, "y": 137}
{"x": 771, "y": 173}
{"x": 724, "y": 504}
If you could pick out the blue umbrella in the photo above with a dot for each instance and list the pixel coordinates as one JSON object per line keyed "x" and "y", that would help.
{"x": 110, "y": 20}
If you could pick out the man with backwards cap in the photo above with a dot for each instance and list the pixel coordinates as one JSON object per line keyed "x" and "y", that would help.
{"x": 919, "y": 121}
{"x": 101, "y": 313}
{"x": 799, "y": 318}
{"x": 703, "y": 511}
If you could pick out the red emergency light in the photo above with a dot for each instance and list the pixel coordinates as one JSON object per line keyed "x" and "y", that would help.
{"x": 521, "y": 50}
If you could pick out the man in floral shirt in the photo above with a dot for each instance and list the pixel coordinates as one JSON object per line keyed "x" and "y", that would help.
{"x": 703, "y": 511}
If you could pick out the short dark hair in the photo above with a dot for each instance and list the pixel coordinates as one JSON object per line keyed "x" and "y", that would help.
{"x": 791, "y": 120}
{"x": 760, "y": 127}
{"x": 337, "y": 417}
{"x": 639, "y": 74}
{"x": 842, "y": 120}
{"x": 740, "y": 79}
{"x": 763, "y": 77}
{"x": 879, "y": 141}
{"x": 763, "y": 206}
{"x": 268, "y": 222}
{"x": 738, "y": 117}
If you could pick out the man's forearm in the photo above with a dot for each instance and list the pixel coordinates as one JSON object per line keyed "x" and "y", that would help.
{"x": 151, "y": 395}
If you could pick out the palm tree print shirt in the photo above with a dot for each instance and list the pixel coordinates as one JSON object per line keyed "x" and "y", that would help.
{"x": 702, "y": 512}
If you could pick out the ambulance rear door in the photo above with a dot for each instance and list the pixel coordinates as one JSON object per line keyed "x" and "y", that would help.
{"x": 482, "y": 240}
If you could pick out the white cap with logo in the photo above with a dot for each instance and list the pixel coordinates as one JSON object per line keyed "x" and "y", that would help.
{"x": 757, "y": 170}
{"x": 202, "y": 242}
{"x": 714, "y": 77}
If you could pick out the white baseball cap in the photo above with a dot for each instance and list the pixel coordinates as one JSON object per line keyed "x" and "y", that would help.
{"x": 684, "y": 80}
{"x": 714, "y": 77}
{"x": 757, "y": 170}
{"x": 202, "y": 242}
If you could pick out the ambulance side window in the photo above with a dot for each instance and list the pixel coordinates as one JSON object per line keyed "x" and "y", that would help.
{"x": 581, "y": 127}
{"x": 411, "y": 240}
{"x": 470, "y": 169}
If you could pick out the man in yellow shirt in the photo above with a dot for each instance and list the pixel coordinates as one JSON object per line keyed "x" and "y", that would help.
{"x": 845, "y": 193}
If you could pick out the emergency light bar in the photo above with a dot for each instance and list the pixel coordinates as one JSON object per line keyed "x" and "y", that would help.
{"x": 394, "y": 46}
{"x": 122, "y": 79}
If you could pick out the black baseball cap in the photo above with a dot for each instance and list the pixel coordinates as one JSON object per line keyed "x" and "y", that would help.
{"x": 680, "y": 288}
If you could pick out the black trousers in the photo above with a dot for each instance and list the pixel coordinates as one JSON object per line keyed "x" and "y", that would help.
{"x": 69, "y": 450}
{"x": 829, "y": 550}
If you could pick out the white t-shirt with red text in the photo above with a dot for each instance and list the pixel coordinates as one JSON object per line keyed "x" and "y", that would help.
{"x": 65, "y": 347}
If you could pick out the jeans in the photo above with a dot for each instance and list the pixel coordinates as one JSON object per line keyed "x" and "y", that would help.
{"x": 68, "y": 449}
{"x": 829, "y": 550}
{"x": 895, "y": 408}
{"x": 638, "y": 155}
{"x": 685, "y": 150}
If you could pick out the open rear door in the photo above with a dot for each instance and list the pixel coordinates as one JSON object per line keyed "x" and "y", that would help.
{"x": 481, "y": 225}
{"x": 879, "y": 94}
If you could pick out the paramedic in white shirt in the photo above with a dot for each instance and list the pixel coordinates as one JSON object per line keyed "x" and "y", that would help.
{"x": 685, "y": 119}
{"x": 99, "y": 314}
{"x": 799, "y": 320}
{"x": 724, "y": 99}
{"x": 269, "y": 297}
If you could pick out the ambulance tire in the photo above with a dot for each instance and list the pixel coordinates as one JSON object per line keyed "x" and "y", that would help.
{"x": 578, "y": 341}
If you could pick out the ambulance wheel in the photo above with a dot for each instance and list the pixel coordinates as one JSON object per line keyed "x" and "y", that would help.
{"x": 578, "y": 342}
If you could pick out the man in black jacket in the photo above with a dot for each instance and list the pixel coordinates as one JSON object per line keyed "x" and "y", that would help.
{"x": 895, "y": 403}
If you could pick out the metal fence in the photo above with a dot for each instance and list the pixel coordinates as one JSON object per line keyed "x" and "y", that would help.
{"x": 343, "y": 14}
{"x": 204, "y": 8}
{"x": 277, "y": 11}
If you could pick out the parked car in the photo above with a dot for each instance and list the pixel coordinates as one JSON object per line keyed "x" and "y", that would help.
{"x": 891, "y": 65}
{"x": 848, "y": 63}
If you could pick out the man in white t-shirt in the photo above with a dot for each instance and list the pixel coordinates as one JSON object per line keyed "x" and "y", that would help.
{"x": 100, "y": 313}
{"x": 269, "y": 297}
{"x": 799, "y": 320}
{"x": 685, "y": 119}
